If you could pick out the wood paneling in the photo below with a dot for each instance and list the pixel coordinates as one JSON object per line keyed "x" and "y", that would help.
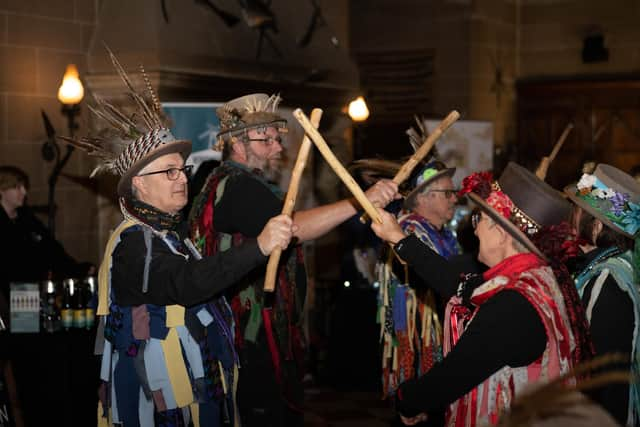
{"x": 606, "y": 116}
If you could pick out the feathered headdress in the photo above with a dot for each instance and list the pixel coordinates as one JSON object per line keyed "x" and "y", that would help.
{"x": 131, "y": 140}
{"x": 248, "y": 112}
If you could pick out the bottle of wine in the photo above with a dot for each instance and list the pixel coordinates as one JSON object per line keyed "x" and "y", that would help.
{"x": 66, "y": 313}
{"x": 78, "y": 305}
{"x": 91, "y": 301}
{"x": 50, "y": 312}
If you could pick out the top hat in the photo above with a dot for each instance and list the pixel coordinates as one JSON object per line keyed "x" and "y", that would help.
{"x": 519, "y": 202}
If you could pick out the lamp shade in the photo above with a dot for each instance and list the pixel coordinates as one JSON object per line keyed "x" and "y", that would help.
{"x": 71, "y": 90}
{"x": 358, "y": 110}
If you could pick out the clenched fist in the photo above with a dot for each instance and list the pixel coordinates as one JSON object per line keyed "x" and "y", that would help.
{"x": 382, "y": 193}
{"x": 276, "y": 234}
{"x": 389, "y": 230}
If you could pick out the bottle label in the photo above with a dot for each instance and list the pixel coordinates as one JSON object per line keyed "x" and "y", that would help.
{"x": 66, "y": 317}
{"x": 79, "y": 318}
{"x": 90, "y": 316}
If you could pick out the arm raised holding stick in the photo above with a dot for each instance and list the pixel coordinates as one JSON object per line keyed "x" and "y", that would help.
{"x": 290, "y": 198}
{"x": 421, "y": 153}
{"x": 335, "y": 164}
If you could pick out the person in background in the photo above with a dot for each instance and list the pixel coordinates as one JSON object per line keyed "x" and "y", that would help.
{"x": 606, "y": 216}
{"x": 28, "y": 252}
{"x": 412, "y": 344}
{"x": 514, "y": 325}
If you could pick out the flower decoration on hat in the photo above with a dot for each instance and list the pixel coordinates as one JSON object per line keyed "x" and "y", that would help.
{"x": 631, "y": 221}
{"x": 613, "y": 205}
{"x": 477, "y": 182}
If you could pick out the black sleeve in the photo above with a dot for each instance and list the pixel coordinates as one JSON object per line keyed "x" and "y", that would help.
{"x": 172, "y": 278}
{"x": 612, "y": 321}
{"x": 246, "y": 206}
{"x": 506, "y": 331}
{"x": 434, "y": 270}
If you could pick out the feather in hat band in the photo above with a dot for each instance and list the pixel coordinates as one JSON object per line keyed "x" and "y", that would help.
{"x": 255, "y": 111}
{"x": 139, "y": 148}
{"x": 130, "y": 140}
{"x": 234, "y": 135}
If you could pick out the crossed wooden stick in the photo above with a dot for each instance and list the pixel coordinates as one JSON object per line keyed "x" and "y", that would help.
{"x": 312, "y": 135}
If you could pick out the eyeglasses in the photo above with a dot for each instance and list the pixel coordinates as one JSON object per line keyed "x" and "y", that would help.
{"x": 475, "y": 219}
{"x": 172, "y": 173}
{"x": 267, "y": 141}
{"x": 447, "y": 193}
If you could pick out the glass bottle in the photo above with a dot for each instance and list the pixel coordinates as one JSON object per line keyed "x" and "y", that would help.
{"x": 90, "y": 301}
{"x": 66, "y": 313}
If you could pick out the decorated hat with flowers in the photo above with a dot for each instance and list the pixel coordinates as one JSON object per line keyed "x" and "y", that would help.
{"x": 519, "y": 202}
{"x": 253, "y": 111}
{"x": 131, "y": 140}
{"x": 610, "y": 195}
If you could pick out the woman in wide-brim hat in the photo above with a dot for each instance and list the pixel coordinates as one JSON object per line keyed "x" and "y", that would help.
{"x": 521, "y": 331}
{"x": 163, "y": 363}
{"x": 607, "y": 217}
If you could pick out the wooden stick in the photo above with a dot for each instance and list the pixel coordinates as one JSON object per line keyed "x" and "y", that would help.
{"x": 290, "y": 199}
{"x": 421, "y": 152}
{"x": 543, "y": 168}
{"x": 335, "y": 164}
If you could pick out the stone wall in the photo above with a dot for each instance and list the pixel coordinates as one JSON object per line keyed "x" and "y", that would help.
{"x": 382, "y": 25}
{"x": 492, "y": 53}
{"x": 38, "y": 38}
{"x": 37, "y": 41}
{"x": 481, "y": 47}
{"x": 552, "y": 34}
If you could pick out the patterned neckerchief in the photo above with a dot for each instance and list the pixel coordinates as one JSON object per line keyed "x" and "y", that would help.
{"x": 443, "y": 240}
{"x": 147, "y": 214}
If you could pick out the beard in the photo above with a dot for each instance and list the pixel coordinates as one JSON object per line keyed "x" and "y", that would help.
{"x": 270, "y": 167}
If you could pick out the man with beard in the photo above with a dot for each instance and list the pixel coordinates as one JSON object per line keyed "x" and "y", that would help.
{"x": 235, "y": 202}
